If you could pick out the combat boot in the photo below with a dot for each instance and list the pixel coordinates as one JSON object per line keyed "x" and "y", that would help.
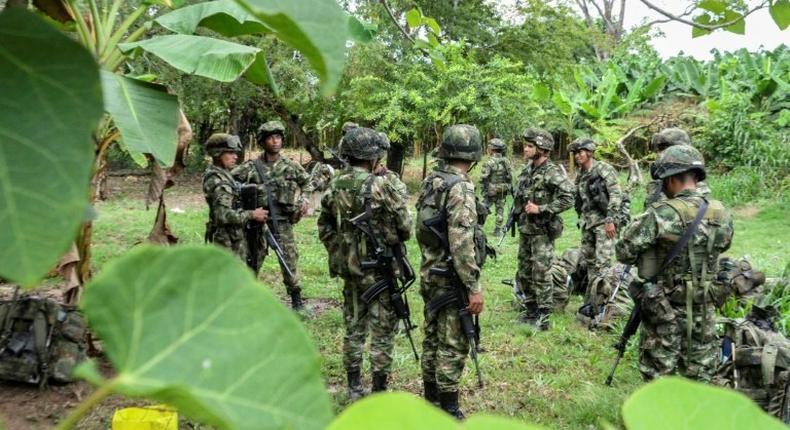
{"x": 355, "y": 390}
{"x": 379, "y": 382}
{"x": 431, "y": 392}
{"x": 449, "y": 403}
{"x": 543, "y": 323}
{"x": 497, "y": 232}
{"x": 296, "y": 301}
{"x": 530, "y": 314}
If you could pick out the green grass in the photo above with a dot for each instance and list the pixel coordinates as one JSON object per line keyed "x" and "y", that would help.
{"x": 554, "y": 378}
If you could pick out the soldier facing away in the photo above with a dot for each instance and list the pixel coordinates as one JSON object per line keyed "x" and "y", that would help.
{"x": 352, "y": 191}
{"x": 448, "y": 195}
{"x": 678, "y": 332}
{"x": 544, "y": 192}
{"x": 284, "y": 181}
{"x": 661, "y": 141}
{"x": 597, "y": 201}
{"x": 225, "y": 226}
{"x": 497, "y": 181}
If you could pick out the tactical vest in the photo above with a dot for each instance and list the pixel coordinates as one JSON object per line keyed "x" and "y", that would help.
{"x": 349, "y": 193}
{"x": 499, "y": 171}
{"x": 433, "y": 202}
{"x": 40, "y": 340}
{"x": 537, "y": 190}
{"x": 212, "y": 226}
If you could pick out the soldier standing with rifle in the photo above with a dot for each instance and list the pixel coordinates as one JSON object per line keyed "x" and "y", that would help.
{"x": 544, "y": 192}
{"x": 226, "y": 218}
{"x": 281, "y": 183}
{"x": 496, "y": 180}
{"x": 661, "y": 141}
{"x": 452, "y": 245}
{"x": 676, "y": 244}
{"x": 363, "y": 223}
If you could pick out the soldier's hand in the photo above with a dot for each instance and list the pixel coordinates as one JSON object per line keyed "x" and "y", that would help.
{"x": 531, "y": 208}
{"x": 380, "y": 170}
{"x": 476, "y": 303}
{"x": 260, "y": 215}
{"x": 304, "y": 207}
{"x": 611, "y": 231}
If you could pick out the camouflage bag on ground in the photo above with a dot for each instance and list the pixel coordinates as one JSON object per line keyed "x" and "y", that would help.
{"x": 40, "y": 340}
{"x": 756, "y": 362}
{"x": 601, "y": 304}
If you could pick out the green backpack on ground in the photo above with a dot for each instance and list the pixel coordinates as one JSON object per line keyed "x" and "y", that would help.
{"x": 40, "y": 340}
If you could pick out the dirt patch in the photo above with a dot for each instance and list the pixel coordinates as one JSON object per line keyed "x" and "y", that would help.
{"x": 746, "y": 211}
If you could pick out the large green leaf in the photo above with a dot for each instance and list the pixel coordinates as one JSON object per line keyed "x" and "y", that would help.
{"x": 780, "y": 12}
{"x": 224, "y": 16}
{"x": 677, "y": 403}
{"x": 190, "y": 326}
{"x": 203, "y": 56}
{"x": 50, "y": 101}
{"x": 145, "y": 114}
{"x": 654, "y": 87}
{"x": 319, "y": 29}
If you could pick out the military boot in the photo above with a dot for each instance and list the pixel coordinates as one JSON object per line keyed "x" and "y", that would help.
{"x": 355, "y": 390}
{"x": 449, "y": 403}
{"x": 530, "y": 314}
{"x": 543, "y": 323}
{"x": 296, "y": 301}
{"x": 497, "y": 232}
{"x": 431, "y": 392}
{"x": 379, "y": 382}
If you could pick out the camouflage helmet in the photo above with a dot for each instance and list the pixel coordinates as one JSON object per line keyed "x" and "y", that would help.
{"x": 582, "y": 143}
{"x": 541, "y": 138}
{"x": 220, "y": 143}
{"x": 362, "y": 143}
{"x": 348, "y": 125}
{"x": 669, "y": 137}
{"x": 678, "y": 159}
{"x": 461, "y": 142}
{"x": 269, "y": 128}
{"x": 497, "y": 144}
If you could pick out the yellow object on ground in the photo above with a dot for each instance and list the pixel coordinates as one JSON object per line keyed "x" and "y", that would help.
{"x": 156, "y": 417}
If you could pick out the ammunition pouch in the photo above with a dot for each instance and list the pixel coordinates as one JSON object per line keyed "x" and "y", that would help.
{"x": 598, "y": 193}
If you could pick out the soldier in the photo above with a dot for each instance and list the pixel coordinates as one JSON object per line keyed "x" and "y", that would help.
{"x": 286, "y": 180}
{"x": 597, "y": 201}
{"x": 544, "y": 191}
{"x": 448, "y": 195}
{"x": 350, "y": 193}
{"x": 226, "y": 218}
{"x": 677, "y": 295}
{"x": 661, "y": 141}
{"x": 496, "y": 180}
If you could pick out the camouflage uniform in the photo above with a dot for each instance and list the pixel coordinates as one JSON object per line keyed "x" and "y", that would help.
{"x": 445, "y": 346}
{"x": 598, "y": 200}
{"x": 678, "y": 331}
{"x": 226, "y": 218}
{"x": 287, "y": 181}
{"x": 660, "y": 141}
{"x": 350, "y": 191}
{"x": 497, "y": 181}
{"x": 549, "y": 187}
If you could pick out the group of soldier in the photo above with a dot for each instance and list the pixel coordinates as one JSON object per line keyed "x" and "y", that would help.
{"x": 364, "y": 222}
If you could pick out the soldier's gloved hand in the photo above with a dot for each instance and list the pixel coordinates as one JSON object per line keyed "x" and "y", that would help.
{"x": 260, "y": 215}
{"x": 476, "y": 303}
{"x": 611, "y": 231}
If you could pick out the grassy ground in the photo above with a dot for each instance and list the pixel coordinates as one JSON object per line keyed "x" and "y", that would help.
{"x": 553, "y": 378}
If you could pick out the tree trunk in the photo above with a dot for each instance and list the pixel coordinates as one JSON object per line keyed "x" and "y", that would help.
{"x": 395, "y": 158}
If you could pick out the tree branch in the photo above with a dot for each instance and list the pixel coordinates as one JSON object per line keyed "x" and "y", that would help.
{"x": 634, "y": 174}
{"x": 402, "y": 30}
{"x": 679, "y": 18}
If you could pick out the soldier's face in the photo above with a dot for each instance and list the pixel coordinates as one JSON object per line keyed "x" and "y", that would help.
{"x": 530, "y": 150}
{"x": 228, "y": 159}
{"x": 273, "y": 143}
{"x": 581, "y": 156}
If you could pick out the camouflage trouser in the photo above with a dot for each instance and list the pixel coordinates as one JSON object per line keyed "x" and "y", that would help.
{"x": 378, "y": 318}
{"x": 560, "y": 286}
{"x": 285, "y": 235}
{"x": 664, "y": 346}
{"x": 499, "y": 202}
{"x": 535, "y": 254}
{"x": 597, "y": 252}
{"x": 232, "y": 238}
{"x": 445, "y": 346}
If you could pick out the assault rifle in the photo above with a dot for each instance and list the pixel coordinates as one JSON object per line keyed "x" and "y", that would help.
{"x": 510, "y": 224}
{"x": 630, "y": 329}
{"x": 458, "y": 296}
{"x": 254, "y": 229}
{"x": 385, "y": 257}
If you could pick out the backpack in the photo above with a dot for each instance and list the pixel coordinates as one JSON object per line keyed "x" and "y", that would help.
{"x": 40, "y": 340}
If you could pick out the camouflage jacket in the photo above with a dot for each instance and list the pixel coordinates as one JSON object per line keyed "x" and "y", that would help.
{"x": 226, "y": 218}
{"x": 497, "y": 175}
{"x": 648, "y": 239}
{"x": 462, "y": 221}
{"x": 653, "y": 192}
{"x": 547, "y": 186}
{"x": 396, "y": 183}
{"x": 346, "y": 244}
{"x": 320, "y": 176}
{"x": 594, "y": 208}
{"x": 285, "y": 177}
